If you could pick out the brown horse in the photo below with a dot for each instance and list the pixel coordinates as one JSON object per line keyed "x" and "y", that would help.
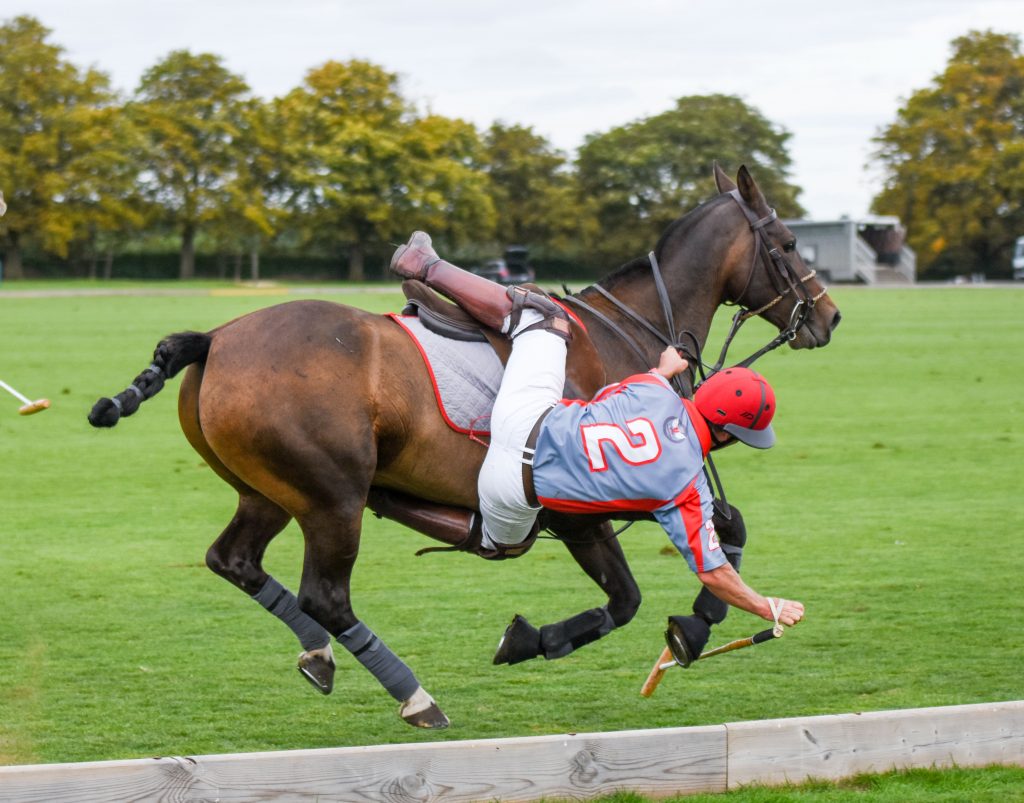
{"x": 306, "y": 408}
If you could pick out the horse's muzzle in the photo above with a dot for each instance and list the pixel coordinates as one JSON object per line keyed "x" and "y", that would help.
{"x": 817, "y": 331}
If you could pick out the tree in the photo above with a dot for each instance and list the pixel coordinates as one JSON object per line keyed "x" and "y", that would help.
{"x": 953, "y": 160}
{"x": 533, "y": 190}
{"x": 62, "y": 144}
{"x": 190, "y": 109}
{"x": 446, "y": 190}
{"x": 639, "y": 177}
{"x": 366, "y": 169}
{"x": 255, "y": 195}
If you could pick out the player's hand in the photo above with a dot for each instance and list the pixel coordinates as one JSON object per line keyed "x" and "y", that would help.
{"x": 671, "y": 362}
{"x": 789, "y": 611}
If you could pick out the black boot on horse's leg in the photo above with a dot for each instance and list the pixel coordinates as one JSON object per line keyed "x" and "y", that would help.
{"x": 488, "y": 302}
{"x": 522, "y": 641}
{"x": 599, "y": 553}
{"x": 687, "y": 635}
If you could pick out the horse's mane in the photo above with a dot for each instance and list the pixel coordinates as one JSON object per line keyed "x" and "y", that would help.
{"x": 674, "y": 229}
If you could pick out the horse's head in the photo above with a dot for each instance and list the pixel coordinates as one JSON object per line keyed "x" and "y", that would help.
{"x": 772, "y": 279}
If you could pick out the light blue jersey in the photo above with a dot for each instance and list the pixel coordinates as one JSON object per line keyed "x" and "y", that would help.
{"x": 636, "y": 446}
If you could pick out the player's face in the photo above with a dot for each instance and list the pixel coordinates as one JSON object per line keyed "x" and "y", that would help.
{"x": 720, "y": 438}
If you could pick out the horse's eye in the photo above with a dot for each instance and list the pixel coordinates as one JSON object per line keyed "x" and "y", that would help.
{"x": 789, "y": 247}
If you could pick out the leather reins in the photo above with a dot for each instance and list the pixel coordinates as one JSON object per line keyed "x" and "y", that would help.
{"x": 763, "y": 252}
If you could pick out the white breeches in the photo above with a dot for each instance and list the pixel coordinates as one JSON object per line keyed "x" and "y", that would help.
{"x": 534, "y": 381}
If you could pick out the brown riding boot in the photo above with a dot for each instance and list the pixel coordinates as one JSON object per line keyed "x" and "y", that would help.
{"x": 488, "y": 302}
{"x": 456, "y": 526}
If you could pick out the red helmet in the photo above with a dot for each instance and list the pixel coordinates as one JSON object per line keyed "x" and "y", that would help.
{"x": 741, "y": 402}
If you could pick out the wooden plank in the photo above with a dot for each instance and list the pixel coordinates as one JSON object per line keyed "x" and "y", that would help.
{"x": 576, "y": 766}
{"x": 832, "y": 747}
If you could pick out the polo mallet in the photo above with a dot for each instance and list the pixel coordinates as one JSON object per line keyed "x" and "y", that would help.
{"x": 666, "y": 660}
{"x": 29, "y": 407}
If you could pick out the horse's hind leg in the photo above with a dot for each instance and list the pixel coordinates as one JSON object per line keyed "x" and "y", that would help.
{"x": 332, "y": 543}
{"x": 599, "y": 554}
{"x": 237, "y": 556}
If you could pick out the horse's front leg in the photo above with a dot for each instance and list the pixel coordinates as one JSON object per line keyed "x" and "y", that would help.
{"x": 237, "y": 556}
{"x": 599, "y": 554}
{"x": 332, "y": 543}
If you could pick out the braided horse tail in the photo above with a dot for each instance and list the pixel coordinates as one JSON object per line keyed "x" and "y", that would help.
{"x": 172, "y": 354}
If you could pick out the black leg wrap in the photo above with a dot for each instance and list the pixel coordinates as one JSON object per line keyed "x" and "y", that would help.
{"x": 390, "y": 671}
{"x": 521, "y": 642}
{"x": 560, "y": 639}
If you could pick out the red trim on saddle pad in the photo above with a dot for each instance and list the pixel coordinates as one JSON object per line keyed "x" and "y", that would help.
{"x": 433, "y": 379}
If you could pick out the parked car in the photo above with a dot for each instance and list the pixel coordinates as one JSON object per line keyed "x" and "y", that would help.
{"x": 1018, "y": 259}
{"x": 513, "y": 269}
{"x": 494, "y": 269}
{"x": 518, "y": 266}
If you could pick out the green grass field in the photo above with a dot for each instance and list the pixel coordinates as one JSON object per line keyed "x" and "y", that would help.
{"x": 890, "y": 507}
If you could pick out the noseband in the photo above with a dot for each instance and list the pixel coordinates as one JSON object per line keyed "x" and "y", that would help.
{"x": 783, "y": 272}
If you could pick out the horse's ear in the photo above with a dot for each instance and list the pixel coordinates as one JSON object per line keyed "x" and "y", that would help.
{"x": 722, "y": 181}
{"x": 750, "y": 191}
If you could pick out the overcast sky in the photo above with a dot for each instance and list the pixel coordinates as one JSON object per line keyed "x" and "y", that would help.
{"x": 831, "y": 73}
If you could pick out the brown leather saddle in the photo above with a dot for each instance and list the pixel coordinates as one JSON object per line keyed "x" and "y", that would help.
{"x": 584, "y": 371}
{"x": 585, "y": 375}
{"x": 446, "y": 319}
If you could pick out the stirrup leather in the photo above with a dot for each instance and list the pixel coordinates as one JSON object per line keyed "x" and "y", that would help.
{"x": 555, "y": 319}
{"x": 500, "y": 551}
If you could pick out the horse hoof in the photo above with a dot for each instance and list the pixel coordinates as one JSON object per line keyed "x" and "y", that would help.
{"x": 318, "y": 670}
{"x": 430, "y": 717}
{"x": 521, "y": 642}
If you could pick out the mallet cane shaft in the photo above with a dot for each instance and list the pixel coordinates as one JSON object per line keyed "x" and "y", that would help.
{"x": 757, "y": 638}
{"x": 666, "y": 661}
{"x": 657, "y": 672}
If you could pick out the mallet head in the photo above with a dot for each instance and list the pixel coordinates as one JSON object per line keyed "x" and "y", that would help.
{"x": 34, "y": 407}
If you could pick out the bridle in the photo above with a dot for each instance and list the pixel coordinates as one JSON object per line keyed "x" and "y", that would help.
{"x": 763, "y": 252}
{"x": 784, "y": 272}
